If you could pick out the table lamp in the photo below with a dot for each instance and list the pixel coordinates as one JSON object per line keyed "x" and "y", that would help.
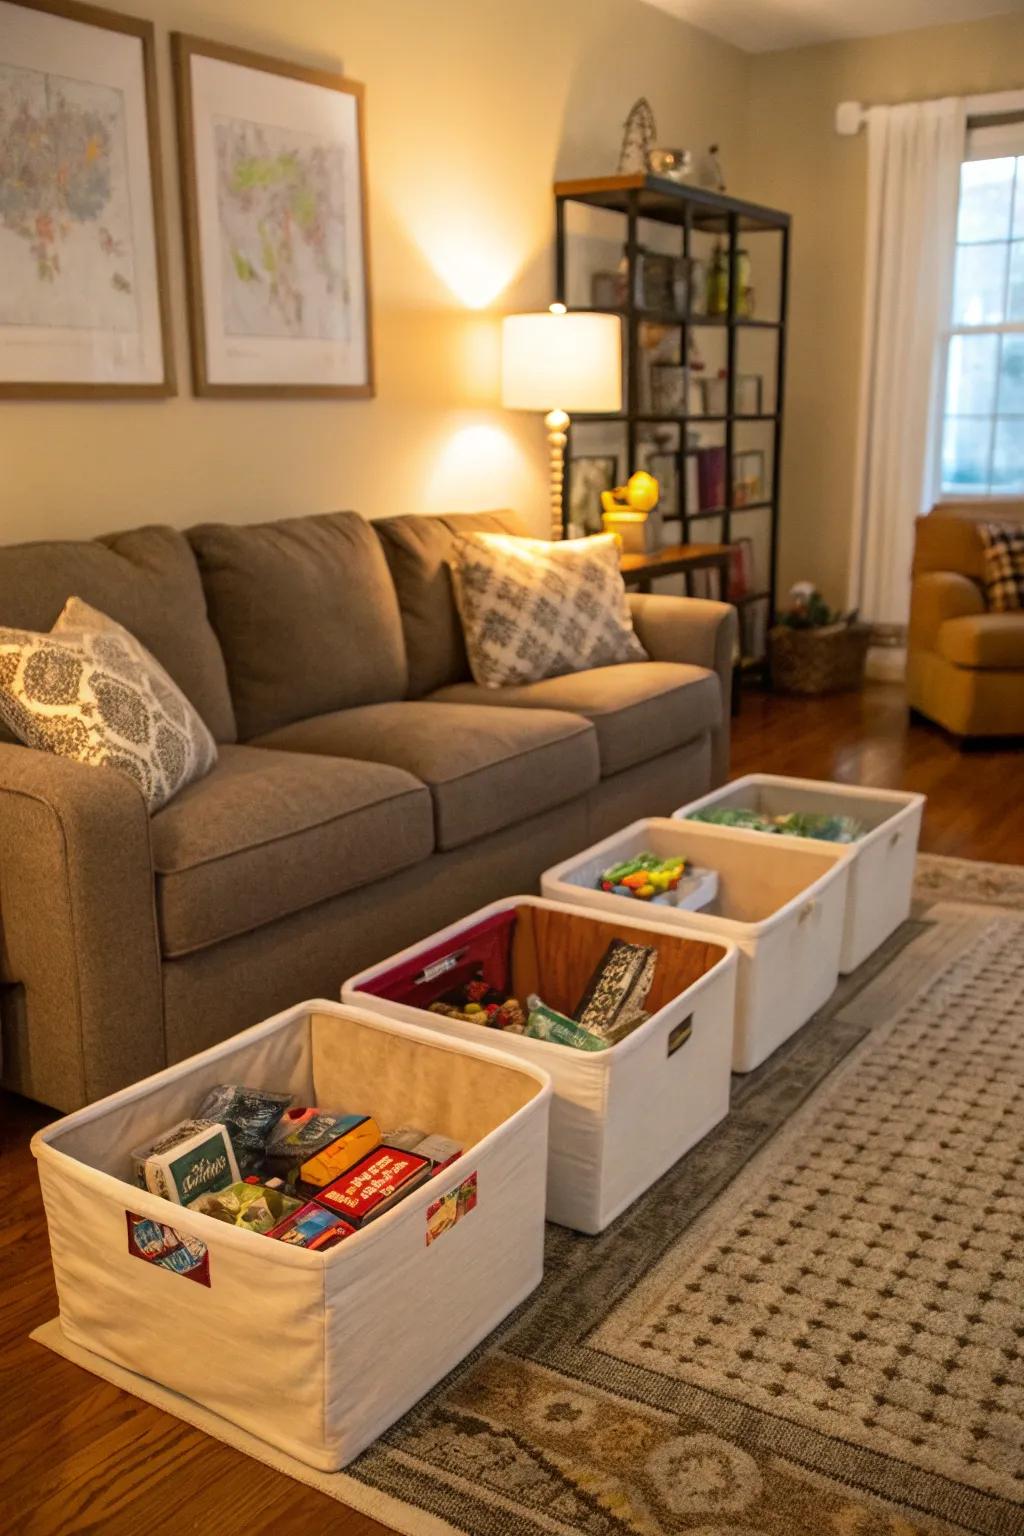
{"x": 559, "y": 362}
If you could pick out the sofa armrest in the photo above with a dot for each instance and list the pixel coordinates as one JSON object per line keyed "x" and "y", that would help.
{"x": 935, "y": 597}
{"x": 702, "y": 633}
{"x": 78, "y": 932}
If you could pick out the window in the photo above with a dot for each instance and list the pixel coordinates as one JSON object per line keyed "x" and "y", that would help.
{"x": 983, "y": 418}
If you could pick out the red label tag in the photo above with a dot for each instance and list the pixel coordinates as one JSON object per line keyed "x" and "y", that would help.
{"x": 156, "y": 1244}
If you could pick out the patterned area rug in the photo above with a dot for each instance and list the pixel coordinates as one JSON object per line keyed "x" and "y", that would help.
{"x": 812, "y": 1326}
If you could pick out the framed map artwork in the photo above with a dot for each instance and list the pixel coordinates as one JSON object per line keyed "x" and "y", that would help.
{"x": 273, "y": 187}
{"x": 83, "y": 284}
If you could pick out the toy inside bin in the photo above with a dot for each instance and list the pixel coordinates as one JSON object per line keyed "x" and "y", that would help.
{"x": 620, "y": 1117}
{"x": 884, "y": 854}
{"x": 315, "y": 1353}
{"x": 780, "y": 899}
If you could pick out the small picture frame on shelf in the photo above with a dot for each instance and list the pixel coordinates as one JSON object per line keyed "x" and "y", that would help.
{"x": 606, "y": 290}
{"x": 669, "y": 389}
{"x": 748, "y": 479}
{"x": 589, "y": 475}
{"x": 698, "y": 282}
{"x": 747, "y": 400}
{"x": 715, "y": 395}
{"x": 654, "y": 280}
{"x": 749, "y": 394}
{"x": 665, "y": 469}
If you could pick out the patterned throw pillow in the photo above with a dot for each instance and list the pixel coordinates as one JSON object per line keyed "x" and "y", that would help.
{"x": 88, "y": 690}
{"x": 1004, "y": 566}
{"x": 532, "y": 609}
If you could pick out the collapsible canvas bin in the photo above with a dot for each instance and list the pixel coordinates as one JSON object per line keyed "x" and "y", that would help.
{"x": 622, "y": 1116}
{"x": 881, "y": 876}
{"x": 780, "y": 900}
{"x": 314, "y": 1352}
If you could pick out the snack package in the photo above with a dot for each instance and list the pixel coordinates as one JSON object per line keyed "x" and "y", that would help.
{"x": 374, "y": 1185}
{"x": 312, "y": 1226}
{"x": 362, "y": 1135}
{"x": 507, "y": 1014}
{"x": 545, "y": 1023}
{"x": 300, "y": 1133}
{"x": 612, "y": 1002}
{"x": 407, "y": 1138}
{"x": 248, "y": 1205}
{"x": 441, "y": 1150}
{"x": 644, "y": 877}
{"x": 187, "y": 1161}
{"x": 250, "y": 1115}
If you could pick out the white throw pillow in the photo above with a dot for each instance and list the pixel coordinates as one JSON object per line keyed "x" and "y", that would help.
{"x": 532, "y": 609}
{"x": 90, "y": 691}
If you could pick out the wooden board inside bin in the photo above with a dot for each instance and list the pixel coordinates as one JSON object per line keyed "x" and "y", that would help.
{"x": 555, "y": 954}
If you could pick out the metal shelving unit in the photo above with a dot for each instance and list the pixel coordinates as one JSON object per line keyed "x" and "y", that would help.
{"x": 691, "y": 210}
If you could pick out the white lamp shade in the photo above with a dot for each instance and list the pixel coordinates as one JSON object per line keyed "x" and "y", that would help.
{"x": 563, "y": 362}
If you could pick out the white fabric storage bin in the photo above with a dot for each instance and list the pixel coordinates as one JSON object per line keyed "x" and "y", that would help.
{"x": 881, "y": 880}
{"x": 315, "y": 1353}
{"x": 620, "y": 1117}
{"x": 780, "y": 900}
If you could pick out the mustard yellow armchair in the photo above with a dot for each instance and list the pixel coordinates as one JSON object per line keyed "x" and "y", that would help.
{"x": 965, "y": 666}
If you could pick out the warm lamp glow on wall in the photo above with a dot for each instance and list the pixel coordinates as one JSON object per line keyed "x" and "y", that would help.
{"x": 559, "y": 362}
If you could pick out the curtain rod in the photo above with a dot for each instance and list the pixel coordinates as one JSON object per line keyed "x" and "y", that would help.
{"x": 852, "y": 115}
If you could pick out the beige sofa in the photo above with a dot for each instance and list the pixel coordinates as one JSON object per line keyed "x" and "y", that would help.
{"x": 366, "y": 791}
{"x": 965, "y": 666}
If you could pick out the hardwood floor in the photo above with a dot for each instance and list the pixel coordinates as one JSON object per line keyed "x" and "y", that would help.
{"x": 80, "y": 1456}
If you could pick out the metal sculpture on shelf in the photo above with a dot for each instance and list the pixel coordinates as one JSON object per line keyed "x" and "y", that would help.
{"x": 637, "y": 138}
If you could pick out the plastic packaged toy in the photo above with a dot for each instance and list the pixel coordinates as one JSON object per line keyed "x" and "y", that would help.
{"x": 250, "y": 1115}
{"x": 644, "y": 877}
{"x": 823, "y": 825}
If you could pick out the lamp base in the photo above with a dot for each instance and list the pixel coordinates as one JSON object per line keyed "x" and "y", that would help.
{"x": 557, "y": 423}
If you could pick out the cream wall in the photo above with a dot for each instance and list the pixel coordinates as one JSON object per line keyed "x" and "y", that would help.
{"x": 795, "y": 160}
{"x": 473, "y": 108}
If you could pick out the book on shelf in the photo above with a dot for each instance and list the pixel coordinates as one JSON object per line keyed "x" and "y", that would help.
{"x": 711, "y": 477}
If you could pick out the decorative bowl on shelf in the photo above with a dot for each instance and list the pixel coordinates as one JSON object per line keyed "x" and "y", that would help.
{"x": 673, "y": 164}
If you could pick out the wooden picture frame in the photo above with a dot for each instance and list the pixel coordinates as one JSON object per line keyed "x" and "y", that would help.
{"x": 748, "y": 478}
{"x": 255, "y": 333}
{"x": 91, "y": 275}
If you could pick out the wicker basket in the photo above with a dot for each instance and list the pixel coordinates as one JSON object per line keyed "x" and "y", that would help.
{"x": 826, "y": 660}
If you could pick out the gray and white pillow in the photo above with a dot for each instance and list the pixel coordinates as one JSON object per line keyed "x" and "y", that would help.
{"x": 90, "y": 691}
{"x": 531, "y": 609}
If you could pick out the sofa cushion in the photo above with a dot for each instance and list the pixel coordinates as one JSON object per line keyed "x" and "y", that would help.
{"x": 988, "y": 640}
{"x": 418, "y": 550}
{"x": 89, "y": 691}
{"x": 486, "y": 767}
{"x": 269, "y": 833}
{"x": 147, "y": 581}
{"x": 639, "y": 709}
{"x": 307, "y": 616}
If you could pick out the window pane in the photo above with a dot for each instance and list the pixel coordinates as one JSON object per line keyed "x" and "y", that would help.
{"x": 1011, "y": 377}
{"x": 986, "y": 190}
{"x": 971, "y": 380}
{"x": 1008, "y": 460}
{"x": 1015, "y": 300}
{"x": 980, "y": 284}
{"x": 965, "y": 450}
{"x": 1018, "y": 200}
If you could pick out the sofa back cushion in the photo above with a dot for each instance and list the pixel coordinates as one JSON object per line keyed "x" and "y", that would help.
{"x": 418, "y": 551}
{"x": 306, "y": 614}
{"x": 147, "y": 581}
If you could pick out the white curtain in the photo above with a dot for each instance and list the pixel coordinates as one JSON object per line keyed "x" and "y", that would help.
{"x": 914, "y": 157}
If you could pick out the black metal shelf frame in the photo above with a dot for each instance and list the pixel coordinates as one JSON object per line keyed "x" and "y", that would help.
{"x": 691, "y": 209}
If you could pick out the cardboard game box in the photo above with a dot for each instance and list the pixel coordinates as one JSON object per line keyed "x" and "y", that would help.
{"x": 375, "y": 1185}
